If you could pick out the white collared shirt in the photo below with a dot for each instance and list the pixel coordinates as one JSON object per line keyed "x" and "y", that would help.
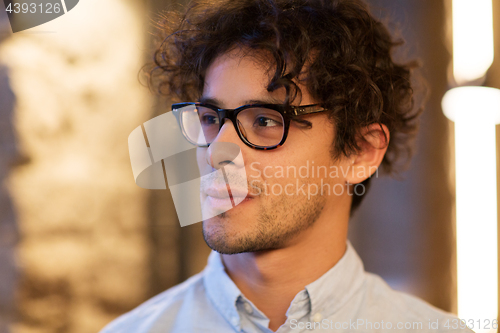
{"x": 344, "y": 299}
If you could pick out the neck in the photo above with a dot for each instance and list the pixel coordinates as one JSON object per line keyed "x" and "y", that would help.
{"x": 271, "y": 279}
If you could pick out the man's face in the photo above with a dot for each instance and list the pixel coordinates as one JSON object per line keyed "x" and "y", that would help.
{"x": 285, "y": 196}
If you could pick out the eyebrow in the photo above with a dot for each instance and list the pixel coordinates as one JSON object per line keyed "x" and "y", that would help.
{"x": 217, "y": 102}
{"x": 210, "y": 100}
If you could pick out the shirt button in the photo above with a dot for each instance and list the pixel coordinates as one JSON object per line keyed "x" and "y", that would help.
{"x": 317, "y": 317}
{"x": 248, "y": 308}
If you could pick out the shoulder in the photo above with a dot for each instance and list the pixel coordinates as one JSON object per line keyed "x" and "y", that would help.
{"x": 171, "y": 301}
{"x": 399, "y": 307}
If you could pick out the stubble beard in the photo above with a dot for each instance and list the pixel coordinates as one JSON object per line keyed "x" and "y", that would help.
{"x": 278, "y": 220}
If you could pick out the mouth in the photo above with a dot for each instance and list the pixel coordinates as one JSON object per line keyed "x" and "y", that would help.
{"x": 226, "y": 196}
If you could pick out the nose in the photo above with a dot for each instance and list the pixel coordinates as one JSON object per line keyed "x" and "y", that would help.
{"x": 225, "y": 148}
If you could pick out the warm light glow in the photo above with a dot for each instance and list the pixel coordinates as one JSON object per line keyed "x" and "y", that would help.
{"x": 475, "y": 111}
{"x": 472, "y": 104}
{"x": 472, "y": 39}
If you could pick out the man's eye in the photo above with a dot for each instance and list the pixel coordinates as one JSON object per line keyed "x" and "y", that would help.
{"x": 209, "y": 120}
{"x": 266, "y": 122}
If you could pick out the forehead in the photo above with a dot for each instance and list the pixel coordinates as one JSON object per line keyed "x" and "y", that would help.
{"x": 240, "y": 76}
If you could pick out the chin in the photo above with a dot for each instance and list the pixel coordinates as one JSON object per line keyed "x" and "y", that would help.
{"x": 223, "y": 246}
{"x": 226, "y": 238}
{"x": 221, "y": 236}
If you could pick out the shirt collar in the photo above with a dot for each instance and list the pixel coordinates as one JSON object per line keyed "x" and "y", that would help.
{"x": 324, "y": 296}
{"x": 333, "y": 289}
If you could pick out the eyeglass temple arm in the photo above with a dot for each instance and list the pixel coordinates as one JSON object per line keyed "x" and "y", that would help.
{"x": 301, "y": 110}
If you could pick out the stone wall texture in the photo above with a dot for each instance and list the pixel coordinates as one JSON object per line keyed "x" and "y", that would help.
{"x": 83, "y": 250}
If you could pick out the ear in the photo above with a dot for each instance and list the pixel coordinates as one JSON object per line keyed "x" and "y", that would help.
{"x": 373, "y": 141}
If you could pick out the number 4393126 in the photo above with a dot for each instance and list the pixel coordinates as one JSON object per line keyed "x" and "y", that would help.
{"x": 34, "y": 8}
{"x": 471, "y": 324}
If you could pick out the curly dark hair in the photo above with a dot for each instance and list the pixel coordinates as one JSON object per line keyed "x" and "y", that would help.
{"x": 350, "y": 69}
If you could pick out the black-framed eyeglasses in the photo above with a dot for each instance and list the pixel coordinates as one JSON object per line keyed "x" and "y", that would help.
{"x": 259, "y": 126}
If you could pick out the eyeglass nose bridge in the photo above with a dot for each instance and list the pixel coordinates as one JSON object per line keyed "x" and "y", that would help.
{"x": 225, "y": 114}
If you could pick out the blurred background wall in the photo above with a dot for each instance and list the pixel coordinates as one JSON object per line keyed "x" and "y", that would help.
{"x": 80, "y": 243}
{"x": 83, "y": 246}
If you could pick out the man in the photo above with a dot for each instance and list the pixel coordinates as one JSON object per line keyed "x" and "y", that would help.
{"x": 308, "y": 91}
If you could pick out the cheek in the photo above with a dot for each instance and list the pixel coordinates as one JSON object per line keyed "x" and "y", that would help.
{"x": 311, "y": 166}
